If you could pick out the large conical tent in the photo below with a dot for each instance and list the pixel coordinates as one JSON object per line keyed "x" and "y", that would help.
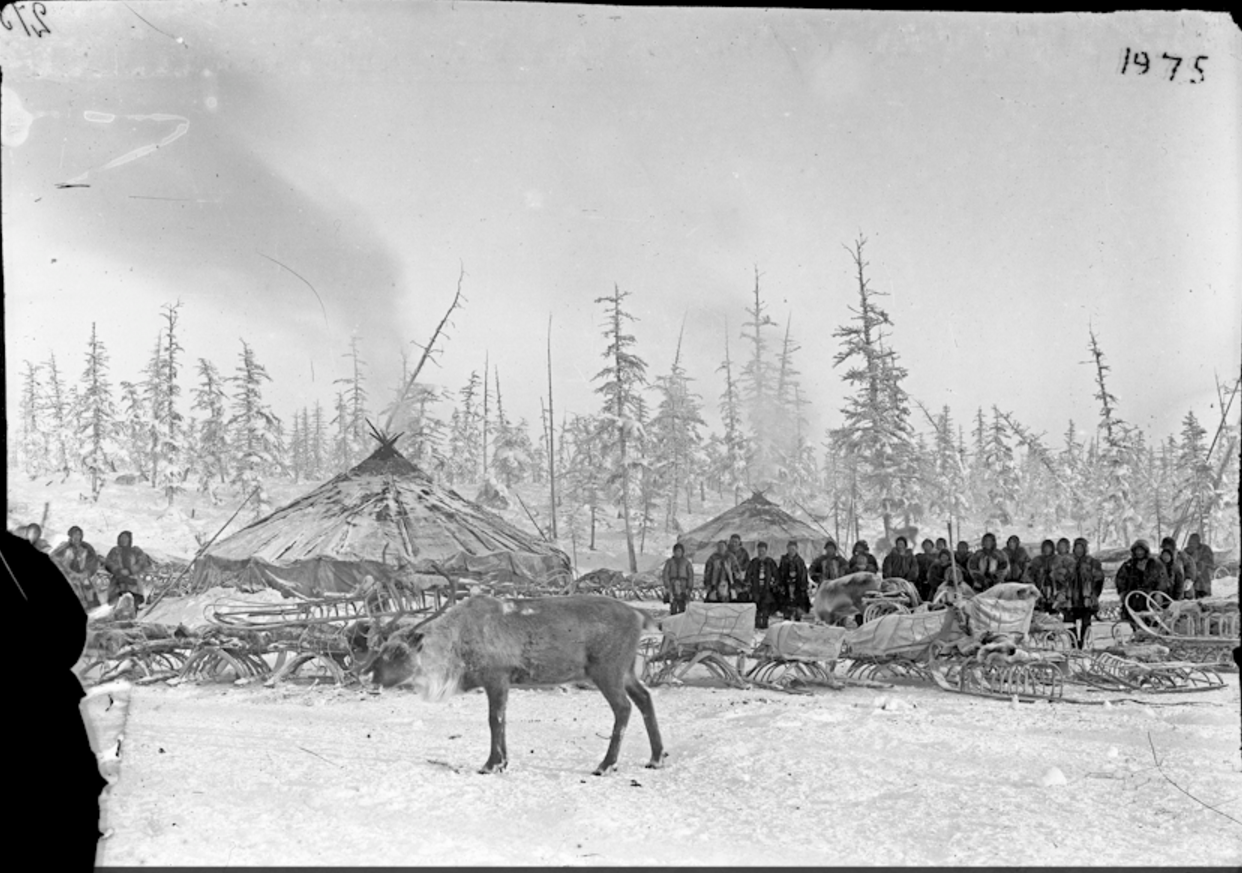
{"x": 754, "y": 520}
{"x": 383, "y": 518}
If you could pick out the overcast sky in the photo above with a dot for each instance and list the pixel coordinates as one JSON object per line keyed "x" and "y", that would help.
{"x": 1013, "y": 183}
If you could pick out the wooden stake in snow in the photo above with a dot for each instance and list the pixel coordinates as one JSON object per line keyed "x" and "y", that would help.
{"x": 158, "y": 597}
{"x": 542, "y": 535}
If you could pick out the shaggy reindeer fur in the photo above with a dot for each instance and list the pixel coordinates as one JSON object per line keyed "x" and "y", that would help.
{"x": 488, "y": 643}
{"x": 837, "y": 599}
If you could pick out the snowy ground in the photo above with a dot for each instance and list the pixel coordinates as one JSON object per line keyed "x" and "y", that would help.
{"x": 301, "y": 775}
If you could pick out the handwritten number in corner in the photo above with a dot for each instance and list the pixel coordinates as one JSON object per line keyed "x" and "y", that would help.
{"x": 1198, "y": 69}
{"x": 37, "y": 11}
{"x": 1138, "y": 63}
{"x": 1177, "y": 62}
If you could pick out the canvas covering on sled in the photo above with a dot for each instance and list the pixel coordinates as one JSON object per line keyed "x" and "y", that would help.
{"x": 1005, "y": 608}
{"x": 798, "y": 641}
{"x": 727, "y": 626}
{"x": 896, "y": 634}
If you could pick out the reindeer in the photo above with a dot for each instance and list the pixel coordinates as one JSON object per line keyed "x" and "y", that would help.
{"x": 837, "y": 599}
{"x": 487, "y": 643}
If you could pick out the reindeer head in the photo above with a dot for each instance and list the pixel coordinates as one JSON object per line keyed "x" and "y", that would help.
{"x": 394, "y": 656}
{"x": 397, "y": 660}
{"x": 382, "y": 650}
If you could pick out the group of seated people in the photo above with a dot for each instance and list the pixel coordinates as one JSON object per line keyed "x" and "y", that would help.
{"x": 77, "y": 559}
{"x": 1069, "y": 579}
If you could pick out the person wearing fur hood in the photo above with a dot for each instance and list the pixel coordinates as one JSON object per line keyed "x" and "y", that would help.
{"x": 1141, "y": 573}
{"x": 1084, "y": 582}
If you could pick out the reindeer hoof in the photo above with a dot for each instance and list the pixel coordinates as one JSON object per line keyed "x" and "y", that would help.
{"x": 657, "y": 763}
{"x": 492, "y": 768}
{"x": 603, "y": 771}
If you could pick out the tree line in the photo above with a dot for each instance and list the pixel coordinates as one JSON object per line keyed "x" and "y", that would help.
{"x": 645, "y": 455}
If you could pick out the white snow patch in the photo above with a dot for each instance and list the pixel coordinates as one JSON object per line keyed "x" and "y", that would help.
{"x": 1053, "y": 777}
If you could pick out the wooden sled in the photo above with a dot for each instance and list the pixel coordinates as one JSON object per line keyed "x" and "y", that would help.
{"x": 795, "y": 655}
{"x": 1108, "y": 672}
{"x": 1050, "y": 634}
{"x": 1027, "y": 681}
{"x": 1201, "y": 632}
{"x": 716, "y": 635}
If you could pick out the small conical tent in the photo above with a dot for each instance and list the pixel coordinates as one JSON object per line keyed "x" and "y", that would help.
{"x": 754, "y": 520}
{"x": 383, "y": 518}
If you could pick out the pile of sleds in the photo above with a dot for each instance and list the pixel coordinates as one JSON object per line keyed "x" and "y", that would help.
{"x": 299, "y": 636}
{"x": 991, "y": 645}
{"x": 622, "y": 586}
{"x": 244, "y": 641}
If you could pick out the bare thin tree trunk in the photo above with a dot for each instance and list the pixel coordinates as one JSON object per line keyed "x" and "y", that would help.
{"x": 551, "y": 435}
{"x": 625, "y": 495}
{"x": 427, "y": 351}
{"x": 486, "y": 366}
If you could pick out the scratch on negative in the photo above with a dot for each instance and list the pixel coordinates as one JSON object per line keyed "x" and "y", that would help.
{"x": 303, "y": 278}
{"x": 149, "y": 24}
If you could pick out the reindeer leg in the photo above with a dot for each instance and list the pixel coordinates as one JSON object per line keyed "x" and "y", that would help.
{"x": 642, "y": 697}
{"x": 497, "y": 698}
{"x": 613, "y": 690}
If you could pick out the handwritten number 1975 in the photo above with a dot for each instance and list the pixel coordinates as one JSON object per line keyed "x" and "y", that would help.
{"x": 35, "y": 28}
{"x": 1141, "y": 62}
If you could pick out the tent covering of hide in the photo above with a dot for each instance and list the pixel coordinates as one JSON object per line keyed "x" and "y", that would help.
{"x": 385, "y": 518}
{"x": 754, "y": 520}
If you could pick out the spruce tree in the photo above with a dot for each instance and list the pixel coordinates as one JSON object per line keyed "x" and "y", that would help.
{"x": 99, "y": 414}
{"x": 254, "y": 427}
{"x": 1118, "y": 456}
{"x": 351, "y": 413}
{"x": 511, "y": 460}
{"x": 343, "y": 443}
{"x": 297, "y": 450}
{"x": 153, "y": 396}
{"x": 620, "y": 382}
{"x": 675, "y": 434}
{"x": 876, "y": 432}
{"x": 213, "y": 460}
{"x": 34, "y": 429}
{"x": 57, "y": 417}
{"x": 135, "y": 428}
{"x": 465, "y": 429}
{"x": 427, "y": 432}
{"x": 758, "y": 383}
{"x": 1002, "y": 475}
{"x": 732, "y": 473}
{"x": 1070, "y": 462}
{"x": 1196, "y": 498}
{"x": 797, "y": 469}
{"x": 167, "y": 420}
{"x": 585, "y": 474}
{"x": 648, "y": 495}
{"x": 318, "y": 442}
